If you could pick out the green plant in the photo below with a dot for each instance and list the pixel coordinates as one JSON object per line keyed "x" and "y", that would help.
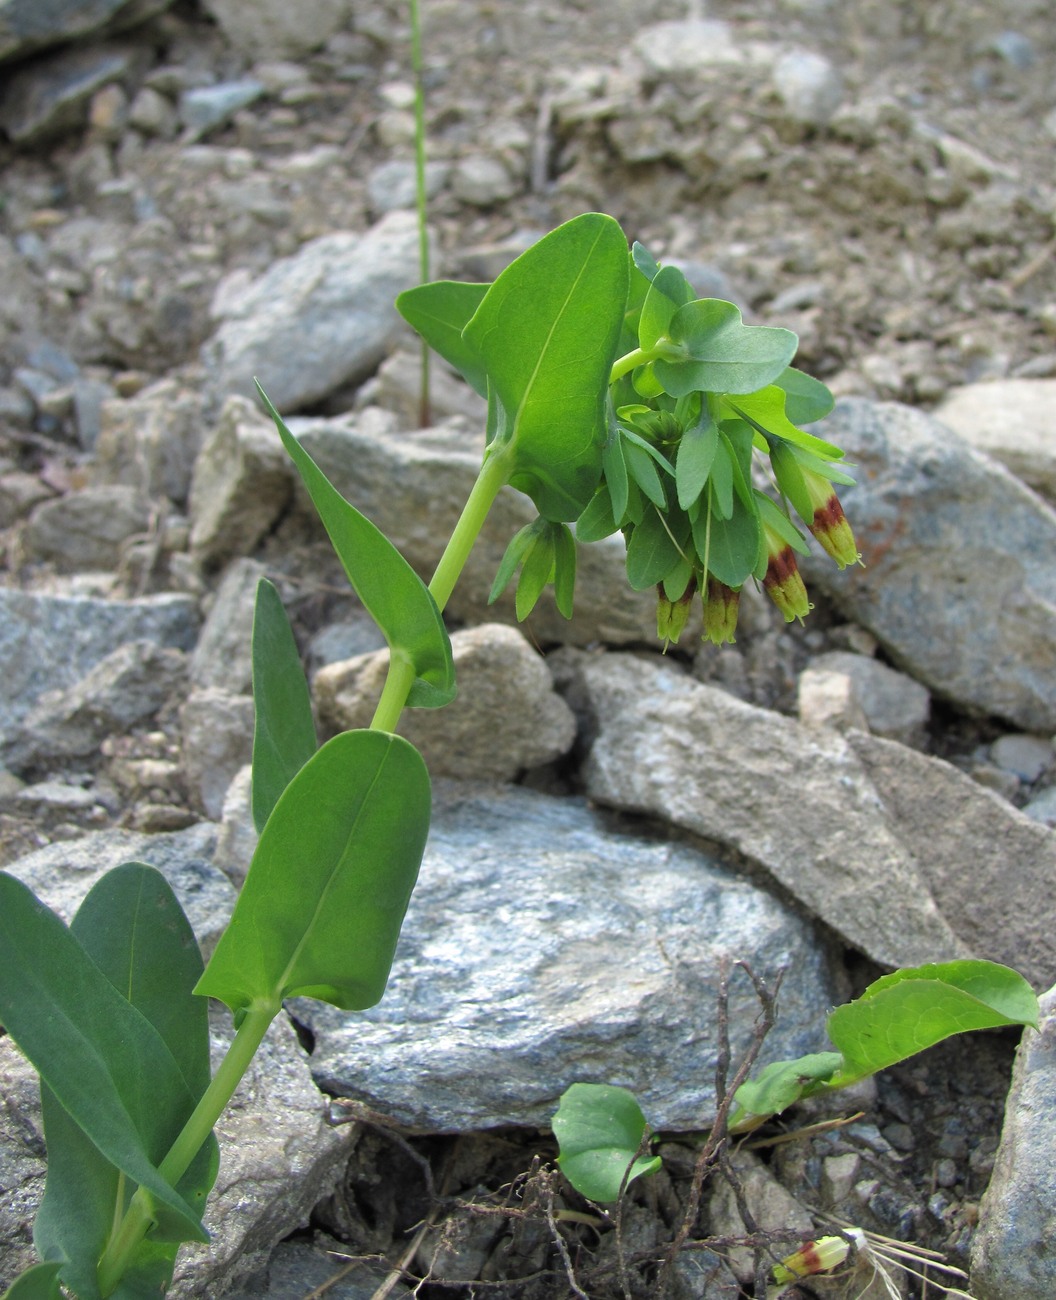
{"x": 602, "y": 1131}
{"x": 614, "y": 399}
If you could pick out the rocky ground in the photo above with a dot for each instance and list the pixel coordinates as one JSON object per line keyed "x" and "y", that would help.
{"x": 205, "y": 195}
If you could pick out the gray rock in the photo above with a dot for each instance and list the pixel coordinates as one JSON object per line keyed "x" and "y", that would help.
{"x": 241, "y": 484}
{"x": 393, "y": 184}
{"x": 217, "y": 742}
{"x": 947, "y": 598}
{"x": 319, "y": 320}
{"x": 51, "y": 642}
{"x": 88, "y": 529}
{"x": 19, "y": 493}
{"x": 823, "y": 699}
{"x": 62, "y": 874}
{"x": 397, "y": 387}
{"x": 773, "y": 1209}
{"x": 89, "y": 395}
{"x": 28, "y": 25}
{"x": 482, "y": 181}
{"x": 204, "y": 108}
{"x": 892, "y": 704}
{"x": 809, "y": 89}
{"x": 414, "y": 490}
{"x": 126, "y": 688}
{"x": 151, "y": 440}
{"x": 1026, "y": 756}
{"x": 505, "y": 719}
{"x": 265, "y": 29}
{"x": 236, "y": 840}
{"x": 51, "y": 96}
{"x": 357, "y": 635}
{"x": 796, "y": 801}
{"x": 963, "y": 839}
{"x": 1042, "y": 808}
{"x": 681, "y": 48}
{"x": 1011, "y": 1253}
{"x": 1011, "y": 420}
{"x": 298, "y": 1267}
{"x": 223, "y": 656}
{"x": 541, "y": 949}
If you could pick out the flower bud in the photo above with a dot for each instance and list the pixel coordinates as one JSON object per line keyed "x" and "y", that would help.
{"x": 720, "y": 612}
{"x": 783, "y": 581}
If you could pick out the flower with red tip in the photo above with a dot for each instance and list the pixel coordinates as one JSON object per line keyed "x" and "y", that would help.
{"x": 783, "y": 582}
{"x": 829, "y": 524}
{"x": 721, "y": 604}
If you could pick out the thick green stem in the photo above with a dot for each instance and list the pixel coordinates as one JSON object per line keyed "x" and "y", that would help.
{"x": 139, "y": 1215}
{"x": 630, "y": 362}
{"x": 400, "y": 677}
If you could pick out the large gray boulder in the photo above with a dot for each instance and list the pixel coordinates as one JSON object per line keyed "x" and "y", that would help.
{"x": 904, "y": 856}
{"x": 542, "y": 947}
{"x": 959, "y": 583}
{"x": 318, "y": 321}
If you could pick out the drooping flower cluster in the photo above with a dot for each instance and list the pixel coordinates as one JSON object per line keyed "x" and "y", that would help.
{"x": 697, "y": 402}
{"x": 704, "y": 463}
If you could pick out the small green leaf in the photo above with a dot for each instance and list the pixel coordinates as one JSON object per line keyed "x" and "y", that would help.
{"x": 644, "y": 261}
{"x": 668, "y": 291}
{"x": 599, "y": 1129}
{"x": 107, "y": 1065}
{"x": 392, "y": 593}
{"x": 696, "y": 455}
{"x": 806, "y": 399}
{"x": 734, "y": 543}
{"x": 597, "y": 521}
{"x": 781, "y": 1084}
{"x": 284, "y": 731}
{"x": 564, "y": 570}
{"x": 720, "y": 354}
{"x": 905, "y": 1012}
{"x": 642, "y": 468}
{"x": 322, "y": 906}
{"x": 547, "y": 331}
{"x": 536, "y": 572}
{"x": 776, "y": 519}
{"x": 765, "y": 410}
{"x": 652, "y": 552}
{"x": 790, "y": 479}
{"x": 615, "y": 470}
{"x": 440, "y": 311}
{"x": 41, "y": 1282}
{"x": 720, "y": 483}
{"x": 520, "y": 544}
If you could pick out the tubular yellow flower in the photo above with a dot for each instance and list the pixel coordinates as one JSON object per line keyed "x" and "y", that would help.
{"x": 672, "y": 615}
{"x": 816, "y": 1257}
{"x": 829, "y": 524}
{"x": 783, "y": 581}
{"x": 720, "y": 612}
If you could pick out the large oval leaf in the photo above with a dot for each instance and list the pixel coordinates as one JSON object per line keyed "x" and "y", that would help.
{"x": 109, "y": 1068}
{"x": 283, "y": 730}
{"x": 599, "y": 1129}
{"x": 546, "y": 331}
{"x": 392, "y": 593}
{"x": 322, "y": 906}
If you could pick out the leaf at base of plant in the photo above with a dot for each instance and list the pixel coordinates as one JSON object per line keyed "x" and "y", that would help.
{"x": 599, "y": 1129}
